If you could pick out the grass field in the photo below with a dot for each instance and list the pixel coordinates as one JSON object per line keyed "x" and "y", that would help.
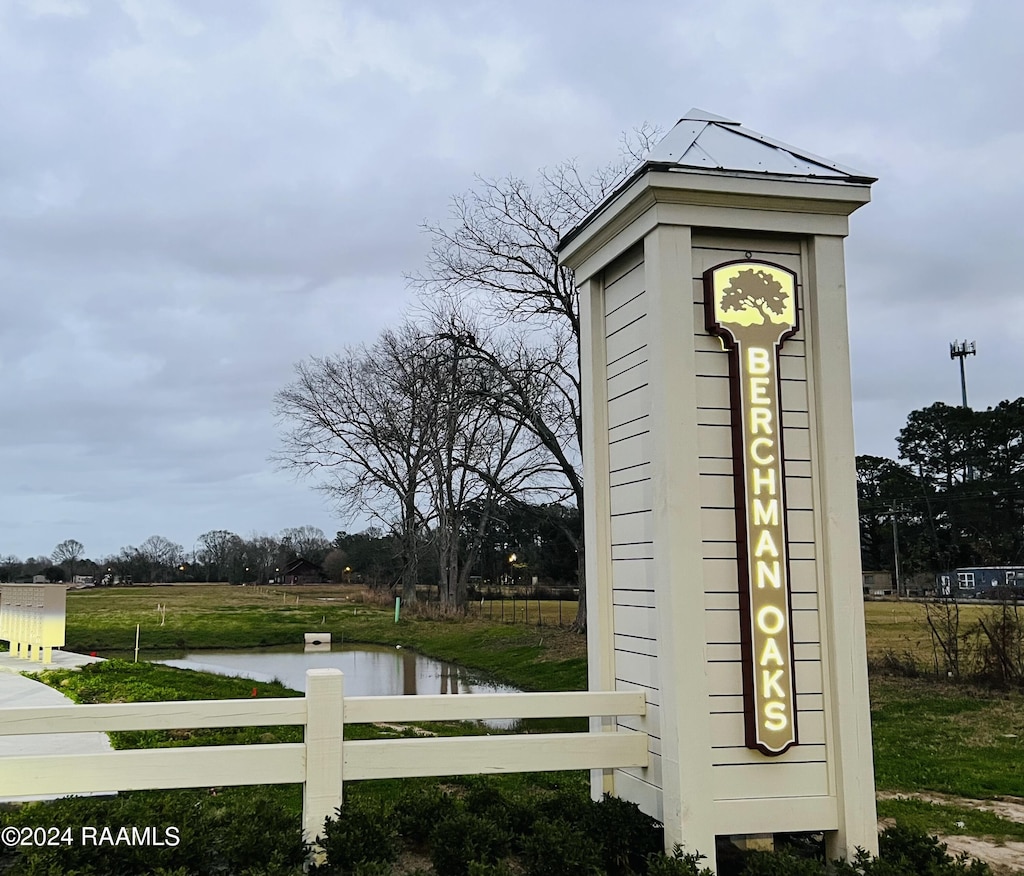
{"x": 900, "y": 629}
{"x": 951, "y": 739}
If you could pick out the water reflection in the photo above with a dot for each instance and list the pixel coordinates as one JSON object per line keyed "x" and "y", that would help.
{"x": 369, "y": 670}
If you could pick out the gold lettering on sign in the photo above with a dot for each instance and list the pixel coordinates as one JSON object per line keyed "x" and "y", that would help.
{"x": 751, "y": 307}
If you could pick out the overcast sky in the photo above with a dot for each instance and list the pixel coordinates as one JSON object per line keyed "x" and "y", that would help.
{"x": 196, "y": 194}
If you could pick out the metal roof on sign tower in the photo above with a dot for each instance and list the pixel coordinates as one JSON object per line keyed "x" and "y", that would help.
{"x": 703, "y": 141}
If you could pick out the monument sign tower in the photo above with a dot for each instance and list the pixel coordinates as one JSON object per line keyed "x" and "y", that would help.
{"x": 723, "y": 562}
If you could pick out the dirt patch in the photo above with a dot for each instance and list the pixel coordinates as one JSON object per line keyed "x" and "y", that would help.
{"x": 1010, "y": 808}
{"x": 1005, "y": 859}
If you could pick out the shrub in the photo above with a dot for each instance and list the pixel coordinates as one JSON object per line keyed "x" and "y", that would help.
{"x": 572, "y": 806}
{"x": 373, "y": 868}
{"x": 464, "y": 838}
{"x": 679, "y": 863}
{"x": 363, "y": 832}
{"x": 237, "y": 831}
{"x": 557, "y": 848}
{"x": 418, "y": 812}
{"x": 255, "y": 834}
{"x": 913, "y": 852}
{"x": 627, "y": 836}
{"x": 516, "y": 813}
{"x": 903, "y": 664}
{"x": 478, "y": 868}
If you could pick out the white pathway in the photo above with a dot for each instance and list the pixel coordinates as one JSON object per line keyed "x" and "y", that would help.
{"x": 16, "y": 690}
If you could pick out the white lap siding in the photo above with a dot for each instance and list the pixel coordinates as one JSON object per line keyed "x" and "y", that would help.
{"x": 630, "y": 501}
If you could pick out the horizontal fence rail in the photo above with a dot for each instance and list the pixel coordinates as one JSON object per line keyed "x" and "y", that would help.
{"x": 192, "y": 714}
{"x": 324, "y": 760}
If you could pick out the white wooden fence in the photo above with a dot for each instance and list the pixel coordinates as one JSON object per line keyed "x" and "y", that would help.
{"x": 323, "y": 761}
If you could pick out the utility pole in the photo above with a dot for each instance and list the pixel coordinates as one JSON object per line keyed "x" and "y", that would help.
{"x": 895, "y": 550}
{"x": 961, "y": 350}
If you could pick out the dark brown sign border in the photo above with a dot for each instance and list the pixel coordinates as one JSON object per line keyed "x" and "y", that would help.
{"x": 743, "y": 546}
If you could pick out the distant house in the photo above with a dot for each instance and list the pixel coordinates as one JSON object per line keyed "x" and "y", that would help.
{"x": 981, "y": 582}
{"x": 302, "y": 571}
{"x": 877, "y": 583}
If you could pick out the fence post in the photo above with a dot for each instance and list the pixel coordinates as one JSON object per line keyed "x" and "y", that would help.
{"x": 322, "y": 792}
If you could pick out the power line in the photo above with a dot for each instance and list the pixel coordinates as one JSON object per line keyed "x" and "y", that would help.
{"x": 940, "y": 498}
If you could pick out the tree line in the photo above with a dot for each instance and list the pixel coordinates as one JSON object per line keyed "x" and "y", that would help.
{"x": 954, "y": 497}
{"x": 521, "y": 544}
{"x": 218, "y": 555}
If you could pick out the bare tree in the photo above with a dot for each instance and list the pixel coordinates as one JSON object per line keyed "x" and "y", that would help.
{"x": 162, "y": 554}
{"x": 219, "y": 549}
{"x": 128, "y": 565}
{"x": 499, "y": 250}
{"x": 308, "y": 542}
{"x": 260, "y": 559}
{"x": 408, "y": 431}
{"x": 68, "y": 552}
{"x": 481, "y": 455}
{"x": 10, "y": 567}
{"x": 361, "y": 423}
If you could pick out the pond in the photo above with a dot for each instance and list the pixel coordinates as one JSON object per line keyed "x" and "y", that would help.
{"x": 369, "y": 670}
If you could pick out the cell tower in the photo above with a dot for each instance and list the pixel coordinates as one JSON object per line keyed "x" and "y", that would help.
{"x": 961, "y": 350}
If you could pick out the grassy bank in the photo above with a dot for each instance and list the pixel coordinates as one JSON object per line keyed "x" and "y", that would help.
{"x": 936, "y": 738}
{"x": 945, "y": 738}
{"x": 526, "y": 656}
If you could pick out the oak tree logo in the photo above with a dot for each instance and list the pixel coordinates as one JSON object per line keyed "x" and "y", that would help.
{"x": 755, "y": 289}
{"x": 755, "y": 296}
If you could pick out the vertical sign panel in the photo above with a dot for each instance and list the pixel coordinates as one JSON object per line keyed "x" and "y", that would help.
{"x": 751, "y": 307}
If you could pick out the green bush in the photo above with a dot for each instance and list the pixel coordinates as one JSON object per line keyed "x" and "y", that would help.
{"x": 239, "y": 830}
{"x": 418, "y": 812}
{"x": 373, "y": 868}
{"x": 902, "y": 852}
{"x": 626, "y": 834}
{"x": 679, "y": 863}
{"x": 916, "y": 852}
{"x": 571, "y": 805}
{"x": 478, "y": 868}
{"x": 464, "y": 838}
{"x": 496, "y": 828}
{"x": 515, "y": 811}
{"x": 557, "y": 848}
{"x": 362, "y": 833}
